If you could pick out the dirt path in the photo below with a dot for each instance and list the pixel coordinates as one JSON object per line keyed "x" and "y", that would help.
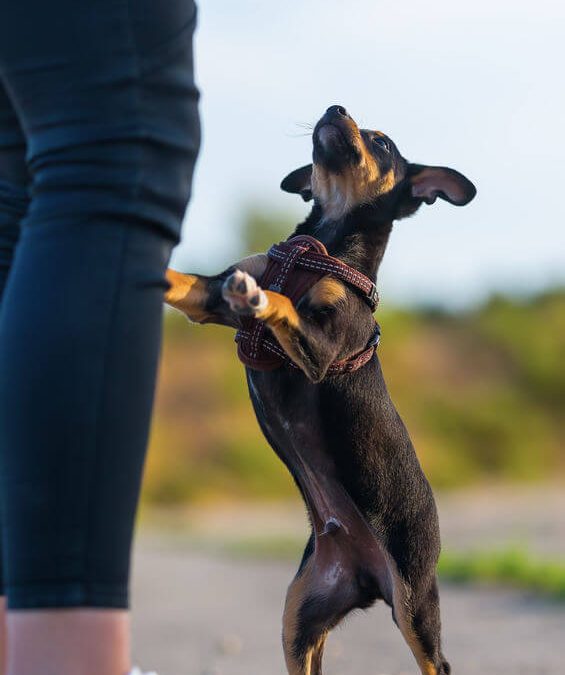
{"x": 197, "y": 614}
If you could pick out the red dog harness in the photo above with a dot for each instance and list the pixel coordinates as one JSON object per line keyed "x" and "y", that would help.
{"x": 293, "y": 267}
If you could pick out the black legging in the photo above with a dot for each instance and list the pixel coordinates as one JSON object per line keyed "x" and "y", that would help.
{"x": 98, "y": 138}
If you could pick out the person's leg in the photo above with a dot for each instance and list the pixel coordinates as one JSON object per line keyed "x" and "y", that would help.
{"x": 79, "y": 338}
{"x": 14, "y": 186}
{"x": 82, "y": 642}
{"x": 14, "y": 181}
{"x": 3, "y": 635}
{"x": 108, "y": 105}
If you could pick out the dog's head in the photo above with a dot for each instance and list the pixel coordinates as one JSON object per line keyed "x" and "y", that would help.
{"x": 355, "y": 168}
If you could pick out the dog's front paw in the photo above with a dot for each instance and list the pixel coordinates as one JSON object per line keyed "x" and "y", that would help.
{"x": 242, "y": 294}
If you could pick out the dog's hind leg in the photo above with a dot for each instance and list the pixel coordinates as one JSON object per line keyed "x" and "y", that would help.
{"x": 335, "y": 576}
{"x": 307, "y": 621}
{"x": 345, "y": 566}
{"x": 308, "y": 617}
{"x": 416, "y": 612}
{"x": 317, "y": 654}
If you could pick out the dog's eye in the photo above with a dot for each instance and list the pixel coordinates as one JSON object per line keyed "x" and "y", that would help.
{"x": 381, "y": 142}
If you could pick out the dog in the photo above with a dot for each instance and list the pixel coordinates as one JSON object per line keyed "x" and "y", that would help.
{"x": 374, "y": 523}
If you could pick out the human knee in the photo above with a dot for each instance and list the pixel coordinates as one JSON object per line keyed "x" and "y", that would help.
{"x": 133, "y": 180}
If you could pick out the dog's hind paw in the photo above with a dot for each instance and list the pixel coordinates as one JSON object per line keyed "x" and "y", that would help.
{"x": 242, "y": 294}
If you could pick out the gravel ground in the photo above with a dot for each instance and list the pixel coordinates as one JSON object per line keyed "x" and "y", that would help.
{"x": 202, "y": 614}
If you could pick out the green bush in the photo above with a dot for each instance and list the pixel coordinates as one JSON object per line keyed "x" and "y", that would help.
{"x": 513, "y": 567}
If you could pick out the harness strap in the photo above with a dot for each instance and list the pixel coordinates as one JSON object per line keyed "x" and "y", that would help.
{"x": 327, "y": 264}
{"x": 347, "y": 365}
{"x": 324, "y": 263}
{"x": 294, "y": 266}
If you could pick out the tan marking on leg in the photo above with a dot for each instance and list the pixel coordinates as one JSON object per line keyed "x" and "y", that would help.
{"x": 187, "y": 293}
{"x": 403, "y": 614}
{"x": 317, "y": 655}
{"x": 296, "y": 594}
{"x": 283, "y": 320}
{"x": 294, "y": 599}
{"x": 327, "y": 291}
{"x": 279, "y": 312}
{"x": 309, "y": 663}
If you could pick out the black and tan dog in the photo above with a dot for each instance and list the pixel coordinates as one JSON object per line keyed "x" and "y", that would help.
{"x": 374, "y": 523}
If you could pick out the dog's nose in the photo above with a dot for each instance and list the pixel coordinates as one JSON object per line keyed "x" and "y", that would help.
{"x": 337, "y": 110}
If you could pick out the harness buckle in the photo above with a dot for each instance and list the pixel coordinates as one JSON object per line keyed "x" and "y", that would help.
{"x": 373, "y": 297}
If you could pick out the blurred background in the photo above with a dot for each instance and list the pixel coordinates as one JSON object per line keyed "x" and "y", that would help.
{"x": 472, "y": 314}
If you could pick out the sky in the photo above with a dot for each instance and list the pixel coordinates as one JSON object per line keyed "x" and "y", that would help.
{"x": 477, "y": 86}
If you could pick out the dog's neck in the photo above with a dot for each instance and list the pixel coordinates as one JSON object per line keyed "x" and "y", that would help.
{"x": 358, "y": 239}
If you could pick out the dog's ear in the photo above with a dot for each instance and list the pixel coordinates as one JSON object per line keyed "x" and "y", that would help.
{"x": 427, "y": 183}
{"x": 299, "y": 182}
{"x": 430, "y": 182}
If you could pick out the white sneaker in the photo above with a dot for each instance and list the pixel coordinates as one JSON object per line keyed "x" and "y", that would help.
{"x": 136, "y": 671}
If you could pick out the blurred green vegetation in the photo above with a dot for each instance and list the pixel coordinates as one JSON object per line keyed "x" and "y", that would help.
{"x": 482, "y": 393}
{"x": 513, "y": 567}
